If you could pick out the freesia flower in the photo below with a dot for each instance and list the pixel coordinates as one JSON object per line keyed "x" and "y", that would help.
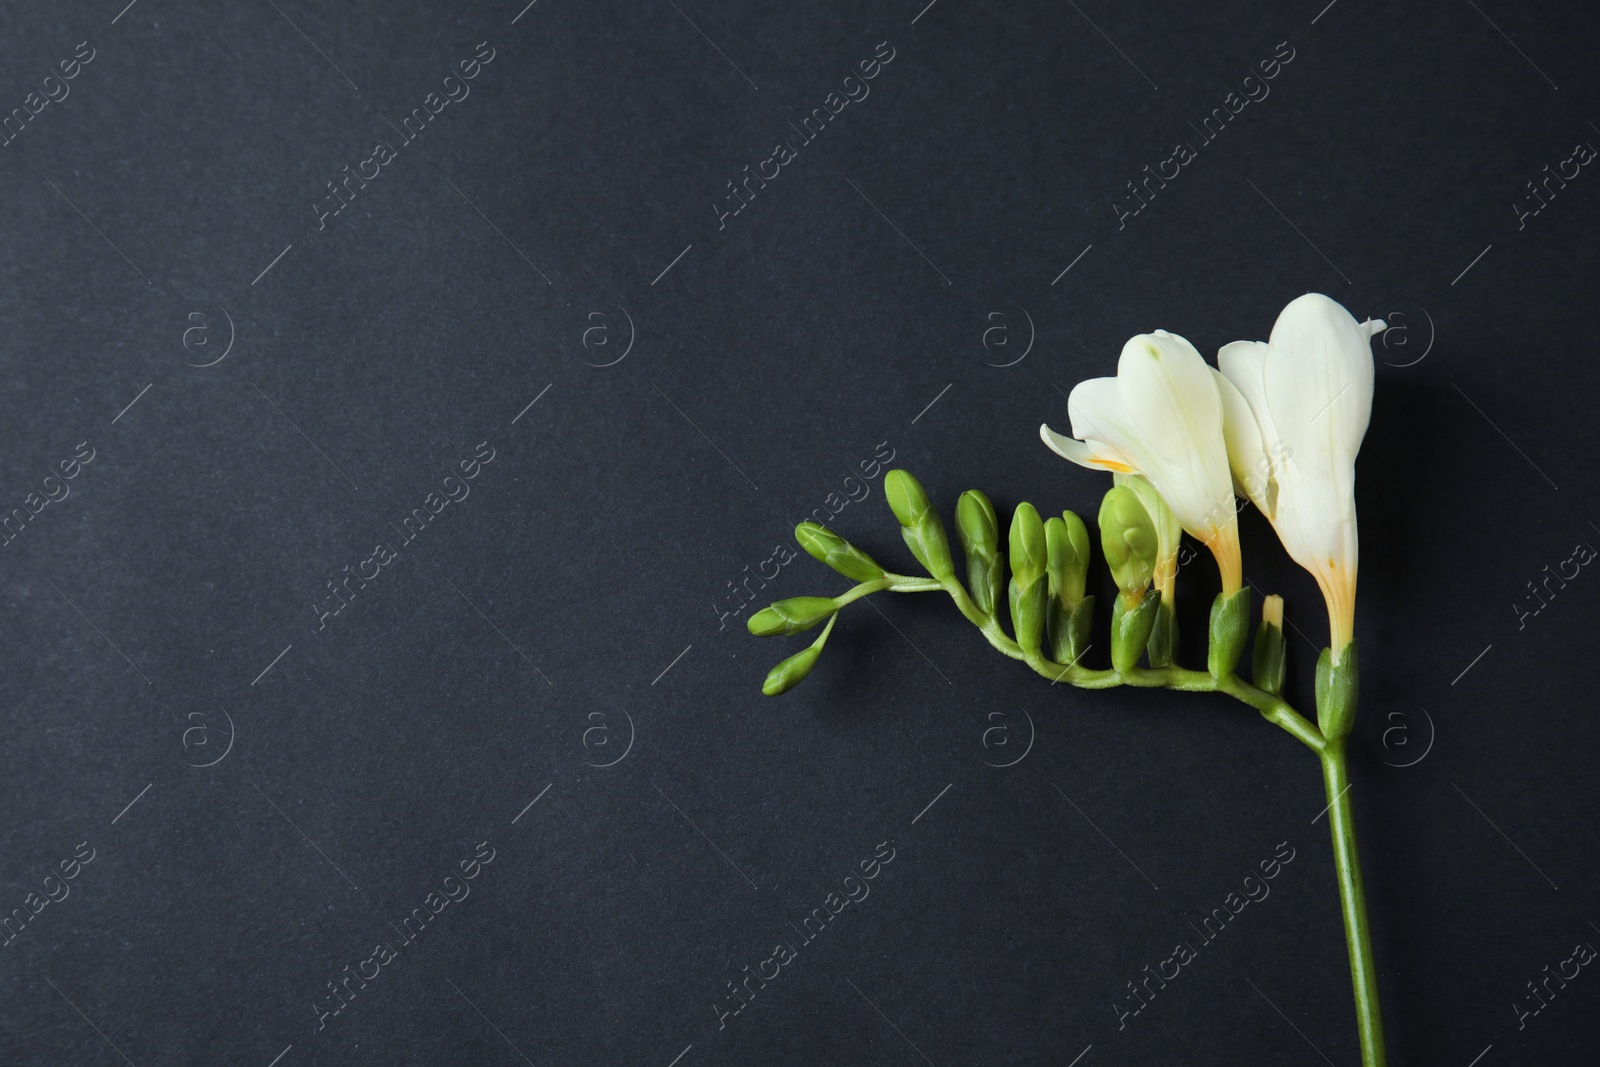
{"x": 1161, "y": 417}
{"x": 1295, "y": 410}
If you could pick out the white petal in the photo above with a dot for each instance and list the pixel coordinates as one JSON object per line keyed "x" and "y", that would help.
{"x": 1316, "y": 518}
{"x": 1315, "y": 386}
{"x": 1169, "y": 396}
{"x": 1244, "y": 363}
{"x": 1319, "y": 378}
{"x": 1100, "y": 419}
{"x": 1095, "y": 409}
{"x": 1248, "y": 459}
{"x": 1091, "y": 454}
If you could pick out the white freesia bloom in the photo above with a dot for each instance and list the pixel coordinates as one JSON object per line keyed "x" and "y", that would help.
{"x": 1161, "y": 417}
{"x": 1296, "y": 408}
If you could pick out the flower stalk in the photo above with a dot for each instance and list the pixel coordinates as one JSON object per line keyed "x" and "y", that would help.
{"x": 1230, "y": 627}
{"x": 1353, "y": 904}
{"x": 1281, "y": 421}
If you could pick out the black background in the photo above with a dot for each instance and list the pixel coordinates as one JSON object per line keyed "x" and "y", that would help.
{"x": 575, "y": 599}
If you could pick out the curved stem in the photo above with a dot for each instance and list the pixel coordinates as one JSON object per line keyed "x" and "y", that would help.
{"x": 1273, "y": 709}
{"x": 895, "y": 583}
{"x": 1331, "y": 753}
{"x": 985, "y": 622}
{"x": 1353, "y": 904}
{"x": 1277, "y": 712}
{"x": 1072, "y": 674}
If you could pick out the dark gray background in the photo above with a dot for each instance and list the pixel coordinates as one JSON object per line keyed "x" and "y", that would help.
{"x": 572, "y": 601}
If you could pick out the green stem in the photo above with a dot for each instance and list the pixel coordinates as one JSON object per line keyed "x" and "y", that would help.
{"x": 1275, "y": 711}
{"x": 1331, "y": 753}
{"x": 895, "y": 583}
{"x": 1272, "y": 709}
{"x": 988, "y": 624}
{"x": 1353, "y": 903}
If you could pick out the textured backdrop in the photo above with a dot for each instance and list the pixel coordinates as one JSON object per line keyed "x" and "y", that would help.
{"x": 402, "y": 402}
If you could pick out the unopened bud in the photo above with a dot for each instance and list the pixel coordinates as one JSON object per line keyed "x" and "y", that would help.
{"x": 791, "y": 672}
{"x": 1128, "y": 538}
{"x": 1067, "y": 546}
{"x": 825, "y": 546}
{"x": 1267, "y": 662}
{"x": 920, "y": 526}
{"x": 791, "y": 616}
{"x": 979, "y": 533}
{"x": 1230, "y": 629}
{"x": 1027, "y": 541}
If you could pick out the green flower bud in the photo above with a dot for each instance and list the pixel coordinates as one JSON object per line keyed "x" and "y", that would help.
{"x": 1029, "y": 555}
{"x": 1128, "y": 538}
{"x": 1029, "y": 591}
{"x": 792, "y": 671}
{"x": 979, "y": 534}
{"x": 1268, "y": 661}
{"x": 790, "y": 616}
{"x": 1069, "y": 630}
{"x": 1164, "y": 636}
{"x": 1230, "y": 629}
{"x": 825, "y": 546}
{"x": 907, "y": 499}
{"x": 1029, "y": 604}
{"x": 920, "y": 526}
{"x": 976, "y": 526}
{"x": 1131, "y": 623}
{"x": 1336, "y": 693}
{"x": 1169, "y": 534}
{"x": 1067, "y": 550}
